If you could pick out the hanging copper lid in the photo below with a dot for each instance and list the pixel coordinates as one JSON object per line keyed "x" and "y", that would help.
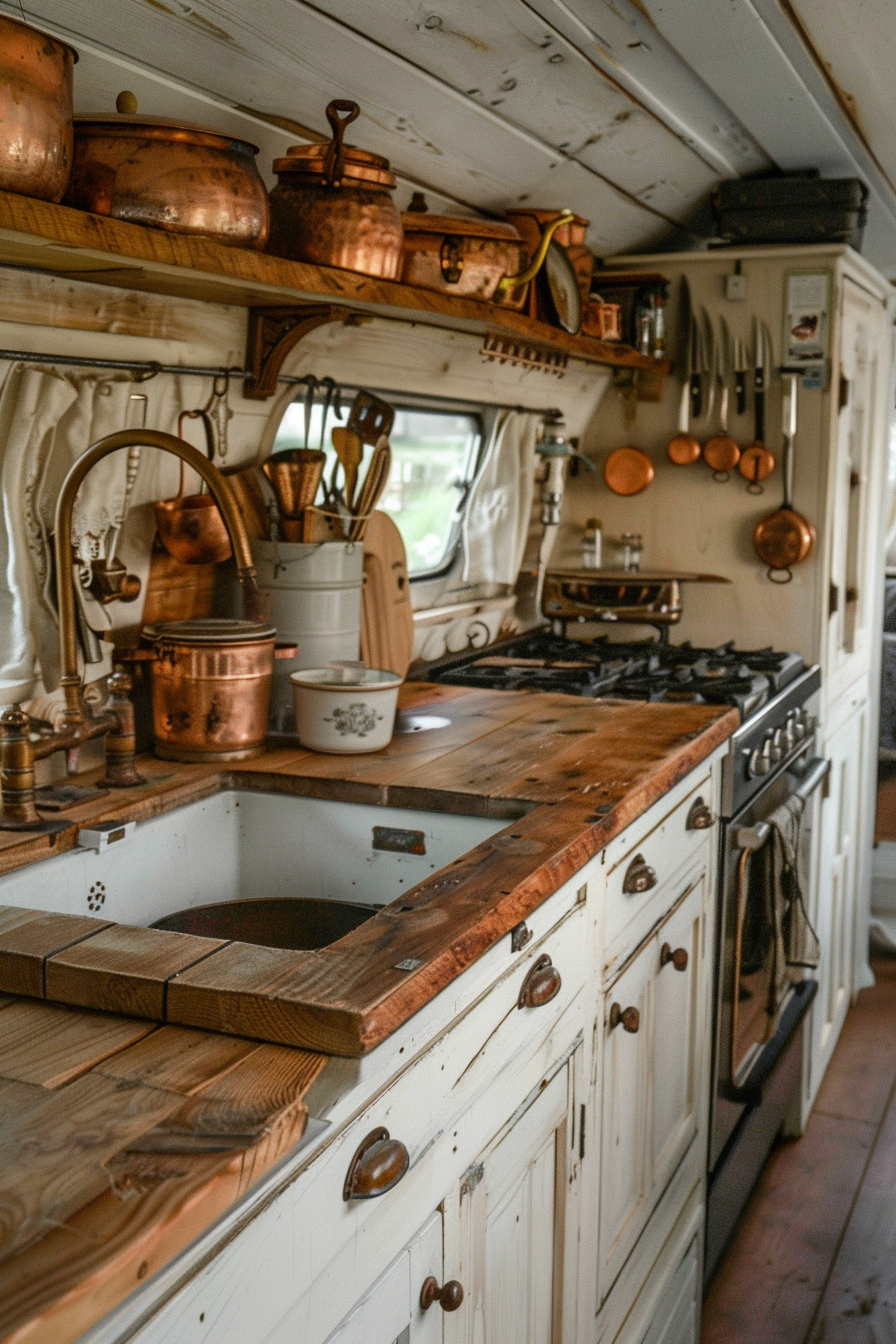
{"x": 338, "y": 164}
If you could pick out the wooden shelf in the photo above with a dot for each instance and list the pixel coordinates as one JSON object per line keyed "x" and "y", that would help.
{"x": 54, "y": 238}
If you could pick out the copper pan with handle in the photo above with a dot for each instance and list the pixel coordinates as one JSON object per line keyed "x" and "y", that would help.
{"x": 785, "y": 537}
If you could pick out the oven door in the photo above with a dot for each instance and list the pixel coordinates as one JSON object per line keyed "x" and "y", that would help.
{"x": 755, "y": 1018}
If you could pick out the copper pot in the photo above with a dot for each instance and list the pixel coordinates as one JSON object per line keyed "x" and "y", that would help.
{"x": 35, "y": 111}
{"x": 211, "y": 688}
{"x": 333, "y": 205}
{"x": 454, "y": 255}
{"x": 168, "y": 175}
{"x": 190, "y": 526}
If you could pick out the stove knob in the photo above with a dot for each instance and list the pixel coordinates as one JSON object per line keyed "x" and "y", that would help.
{"x": 790, "y": 732}
{"x": 777, "y": 745}
{"x": 761, "y": 759}
{"x": 799, "y": 725}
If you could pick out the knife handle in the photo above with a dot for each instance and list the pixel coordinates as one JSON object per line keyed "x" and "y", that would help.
{"x": 759, "y": 412}
{"x": 740, "y": 390}
{"x": 696, "y": 396}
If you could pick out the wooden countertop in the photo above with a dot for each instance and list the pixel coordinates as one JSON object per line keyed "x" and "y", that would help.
{"x": 157, "y": 1129}
{"x": 571, "y": 772}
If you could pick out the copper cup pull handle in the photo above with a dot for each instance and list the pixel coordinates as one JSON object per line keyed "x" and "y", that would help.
{"x": 541, "y": 984}
{"x": 678, "y": 958}
{"x": 639, "y": 876}
{"x": 700, "y": 818}
{"x": 377, "y": 1166}
{"x": 628, "y": 1018}
{"x": 449, "y": 1296}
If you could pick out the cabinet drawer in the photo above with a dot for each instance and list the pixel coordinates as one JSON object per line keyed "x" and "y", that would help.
{"x": 644, "y": 881}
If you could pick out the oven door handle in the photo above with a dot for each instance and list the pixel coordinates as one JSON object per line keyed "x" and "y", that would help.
{"x": 749, "y": 1093}
{"x": 754, "y": 837}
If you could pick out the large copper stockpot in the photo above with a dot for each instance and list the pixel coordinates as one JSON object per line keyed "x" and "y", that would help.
{"x": 169, "y": 175}
{"x": 333, "y": 205}
{"x": 211, "y": 688}
{"x": 35, "y": 111}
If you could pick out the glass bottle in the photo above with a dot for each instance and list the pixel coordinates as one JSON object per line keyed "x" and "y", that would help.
{"x": 632, "y": 545}
{"x": 591, "y": 543}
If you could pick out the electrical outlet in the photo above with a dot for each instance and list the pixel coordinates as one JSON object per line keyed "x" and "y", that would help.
{"x": 735, "y": 287}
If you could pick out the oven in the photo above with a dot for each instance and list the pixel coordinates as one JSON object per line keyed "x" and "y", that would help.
{"x": 766, "y": 950}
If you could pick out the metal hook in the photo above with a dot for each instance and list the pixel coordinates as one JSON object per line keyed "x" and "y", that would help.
{"x": 151, "y": 371}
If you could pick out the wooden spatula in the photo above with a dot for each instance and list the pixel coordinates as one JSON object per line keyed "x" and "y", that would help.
{"x": 387, "y": 622}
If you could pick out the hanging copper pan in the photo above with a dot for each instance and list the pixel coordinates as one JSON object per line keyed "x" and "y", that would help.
{"x": 628, "y": 471}
{"x": 785, "y": 538}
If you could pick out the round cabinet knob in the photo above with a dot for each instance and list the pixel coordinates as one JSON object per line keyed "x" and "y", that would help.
{"x": 700, "y": 818}
{"x": 449, "y": 1296}
{"x": 628, "y": 1018}
{"x": 377, "y": 1166}
{"x": 639, "y": 876}
{"x": 542, "y": 983}
{"x": 678, "y": 958}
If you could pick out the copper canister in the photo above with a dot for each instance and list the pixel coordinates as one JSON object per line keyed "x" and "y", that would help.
{"x": 168, "y": 175}
{"x": 333, "y": 204}
{"x": 35, "y": 111}
{"x": 211, "y": 688}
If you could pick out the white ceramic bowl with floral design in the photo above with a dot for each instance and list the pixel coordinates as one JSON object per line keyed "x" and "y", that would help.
{"x": 344, "y": 717}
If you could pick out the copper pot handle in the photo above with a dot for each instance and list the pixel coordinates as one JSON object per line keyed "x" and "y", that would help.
{"x": 639, "y": 876}
{"x": 449, "y": 1296}
{"x": 699, "y": 818}
{"x": 678, "y": 958}
{"x": 628, "y": 1018}
{"x": 542, "y": 983}
{"x": 377, "y": 1166}
{"x": 334, "y": 162}
{"x": 209, "y": 443}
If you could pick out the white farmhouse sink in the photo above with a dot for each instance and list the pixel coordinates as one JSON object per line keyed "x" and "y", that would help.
{"x": 239, "y": 846}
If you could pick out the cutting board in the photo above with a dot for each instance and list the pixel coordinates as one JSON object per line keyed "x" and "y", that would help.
{"x": 387, "y": 623}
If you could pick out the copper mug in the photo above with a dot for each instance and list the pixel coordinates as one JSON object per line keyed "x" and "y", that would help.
{"x": 190, "y": 526}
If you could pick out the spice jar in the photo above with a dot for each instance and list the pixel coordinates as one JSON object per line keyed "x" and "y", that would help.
{"x": 592, "y": 539}
{"x": 333, "y": 205}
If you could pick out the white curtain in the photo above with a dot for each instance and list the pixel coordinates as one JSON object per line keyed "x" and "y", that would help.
{"x": 47, "y": 419}
{"x": 497, "y": 515}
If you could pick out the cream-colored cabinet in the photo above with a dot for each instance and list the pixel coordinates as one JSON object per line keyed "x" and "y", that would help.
{"x": 653, "y": 1077}
{"x": 392, "y": 1312}
{"x": 510, "y": 1227}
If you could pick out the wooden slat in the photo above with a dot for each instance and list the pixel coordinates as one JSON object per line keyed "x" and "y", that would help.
{"x": 51, "y": 1046}
{"x": 27, "y": 938}
{"x": 177, "y": 1059}
{"x": 124, "y": 969}
{"x": 862, "y": 1074}
{"x": 52, "y": 1158}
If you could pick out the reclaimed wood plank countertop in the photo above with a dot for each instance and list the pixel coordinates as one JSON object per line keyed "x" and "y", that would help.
{"x": 125, "y": 1132}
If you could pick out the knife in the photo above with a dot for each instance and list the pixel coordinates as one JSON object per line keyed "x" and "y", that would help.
{"x": 761, "y": 375}
{"x": 696, "y": 362}
{"x": 711, "y": 367}
{"x": 741, "y": 368}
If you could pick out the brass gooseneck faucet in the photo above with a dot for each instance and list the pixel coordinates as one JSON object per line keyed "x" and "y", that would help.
{"x": 19, "y": 748}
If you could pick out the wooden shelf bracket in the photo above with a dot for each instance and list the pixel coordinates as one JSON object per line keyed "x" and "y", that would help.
{"x": 274, "y": 332}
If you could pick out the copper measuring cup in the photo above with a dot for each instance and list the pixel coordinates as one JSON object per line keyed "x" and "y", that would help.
{"x": 190, "y": 526}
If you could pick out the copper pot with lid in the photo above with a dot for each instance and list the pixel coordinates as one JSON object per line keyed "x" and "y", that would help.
{"x": 211, "y": 688}
{"x": 168, "y": 175}
{"x": 35, "y": 111}
{"x": 333, "y": 204}
{"x": 457, "y": 255}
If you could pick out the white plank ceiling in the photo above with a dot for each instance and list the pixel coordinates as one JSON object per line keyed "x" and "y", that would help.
{"x": 594, "y": 104}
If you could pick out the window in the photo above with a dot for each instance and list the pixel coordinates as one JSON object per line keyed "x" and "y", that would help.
{"x": 434, "y": 455}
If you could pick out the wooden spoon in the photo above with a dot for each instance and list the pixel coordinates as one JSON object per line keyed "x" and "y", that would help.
{"x": 350, "y": 451}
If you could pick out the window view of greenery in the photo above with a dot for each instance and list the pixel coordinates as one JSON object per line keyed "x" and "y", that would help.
{"x": 433, "y": 459}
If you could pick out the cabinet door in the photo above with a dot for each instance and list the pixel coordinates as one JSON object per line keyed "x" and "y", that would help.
{"x": 391, "y": 1313}
{"x": 625, "y": 1118}
{"x": 676, "y": 1045}
{"x": 836, "y": 891}
{"x": 506, "y": 1230}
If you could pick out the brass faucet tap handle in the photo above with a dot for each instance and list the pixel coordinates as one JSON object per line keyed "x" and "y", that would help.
{"x": 120, "y": 741}
{"x": 17, "y": 809}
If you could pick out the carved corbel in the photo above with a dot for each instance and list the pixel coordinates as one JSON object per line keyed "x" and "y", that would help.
{"x": 274, "y": 332}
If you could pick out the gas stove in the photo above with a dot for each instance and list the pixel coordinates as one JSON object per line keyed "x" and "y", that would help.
{"x": 646, "y": 670}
